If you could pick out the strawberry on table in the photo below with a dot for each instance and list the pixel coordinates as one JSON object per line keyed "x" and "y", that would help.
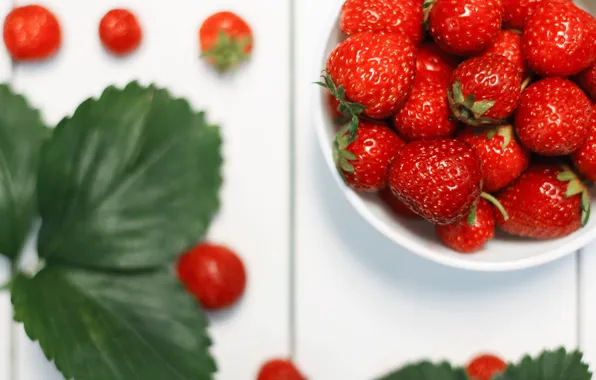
{"x": 546, "y": 202}
{"x": 485, "y": 90}
{"x": 363, "y": 160}
{"x": 465, "y": 238}
{"x": 485, "y": 367}
{"x": 279, "y": 369}
{"x": 214, "y": 274}
{"x": 395, "y": 204}
{"x": 559, "y": 40}
{"x": 32, "y": 32}
{"x": 553, "y": 117}
{"x": 502, "y": 158}
{"x": 509, "y": 45}
{"x": 389, "y": 16}
{"x": 426, "y": 114}
{"x": 120, "y": 32}
{"x": 373, "y": 70}
{"x": 434, "y": 65}
{"x": 226, "y": 40}
{"x": 584, "y": 158}
{"x": 465, "y": 27}
{"x": 438, "y": 179}
{"x": 587, "y": 79}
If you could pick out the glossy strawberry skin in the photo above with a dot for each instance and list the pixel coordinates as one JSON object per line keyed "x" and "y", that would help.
{"x": 465, "y": 27}
{"x": 214, "y": 274}
{"x": 516, "y": 12}
{"x": 438, "y": 179}
{"x": 485, "y": 367}
{"x": 376, "y": 71}
{"x": 462, "y": 237}
{"x": 279, "y": 369}
{"x": 426, "y": 115}
{"x": 396, "y": 205}
{"x": 537, "y": 205}
{"x": 553, "y": 117}
{"x": 584, "y": 158}
{"x": 389, "y": 16}
{"x": 491, "y": 77}
{"x": 499, "y": 167}
{"x": 434, "y": 65}
{"x": 509, "y": 45}
{"x": 375, "y": 147}
{"x": 587, "y": 79}
{"x": 559, "y": 40}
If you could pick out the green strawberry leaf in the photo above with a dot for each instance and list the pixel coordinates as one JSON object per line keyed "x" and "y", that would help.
{"x": 549, "y": 365}
{"x": 102, "y": 326}
{"x": 351, "y": 110}
{"x": 128, "y": 182}
{"x": 21, "y": 135}
{"x": 426, "y": 370}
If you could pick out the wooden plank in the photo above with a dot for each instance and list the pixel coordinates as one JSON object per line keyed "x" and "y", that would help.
{"x": 254, "y": 119}
{"x": 365, "y": 306}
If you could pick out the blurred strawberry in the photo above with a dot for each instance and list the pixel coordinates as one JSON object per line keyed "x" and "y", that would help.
{"x": 226, "y": 40}
{"x": 279, "y": 369}
{"x": 485, "y": 367}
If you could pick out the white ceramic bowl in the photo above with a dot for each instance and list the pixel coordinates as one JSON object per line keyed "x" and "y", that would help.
{"x": 504, "y": 253}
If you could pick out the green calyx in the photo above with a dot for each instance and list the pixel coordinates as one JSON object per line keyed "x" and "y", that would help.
{"x": 351, "y": 110}
{"x": 426, "y": 7}
{"x": 341, "y": 155}
{"x": 467, "y": 109}
{"x": 505, "y": 131}
{"x": 495, "y": 202}
{"x": 228, "y": 52}
{"x": 576, "y": 187}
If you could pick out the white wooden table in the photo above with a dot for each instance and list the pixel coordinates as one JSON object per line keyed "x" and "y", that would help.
{"x": 324, "y": 287}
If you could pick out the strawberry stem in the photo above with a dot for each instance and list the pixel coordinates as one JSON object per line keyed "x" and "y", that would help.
{"x": 496, "y": 203}
{"x": 472, "y": 215}
{"x": 467, "y": 109}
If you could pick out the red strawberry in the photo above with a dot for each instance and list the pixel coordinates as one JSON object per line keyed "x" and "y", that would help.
{"x": 485, "y": 367}
{"x": 502, "y": 158}
{"x": 437, "y": 179}
{"x": 485, "y": 90}
{"x": 226, "y": 40}
{"x": 553, "y": 117}
{"x": 587, "y": 79}
{"x": 375, "y": 71}
{"x": 426, "y": 114}
{"x": 546, "y": 202}
{"x": 399, "y": 207}
{"x": 434, "y": 65}
{"x": 516, "y": 12}
{"x": 389, "y": 16}
{"x": 465, "y": 27}
{"x": 559, "y": 40}
{"x": 509, "y": 45}
{"x": 279, "y": 369}
{"x": 32, "y": 32}
{"x": 584, "y": 158}
{"x": 364, "y": 160}
{"x": 465, "y": 238}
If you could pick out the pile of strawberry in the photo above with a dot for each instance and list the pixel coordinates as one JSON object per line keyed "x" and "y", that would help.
{"x": 469, "y": 113}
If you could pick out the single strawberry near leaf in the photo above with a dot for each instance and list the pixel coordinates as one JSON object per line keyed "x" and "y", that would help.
{"x": 120, "y": 32}
{"x": 213, "y": 274}
{"x": 485, "y": 367}
{"x": 559, "y": 40}
{"x": 509, "y": 45}
{"x": 363, "y": 160}
{"x": 584, "y": 158}
{"x": 434, "y": 65}
{"x": 395, "y": 204}
{"x": 464, "y": 237}
{"x": 464, "y": 27}
{"x": 545, "y": 202}
{"x": 587, "y": 80}
{"x": 503, "y": 159}
{"x": 437, "y": 179}
{"x": 279, "y": 369}
{"x": 553, "y": 117}
{"x": 375, "y": 71}
{"x": 426, "y": 115}
{"x": 550, "y": 364}
{"x": 226, "y": 40}
{"x": 32, "y": 32}
{"x": 485, "y": 90}
{"x": 388, "y": 16}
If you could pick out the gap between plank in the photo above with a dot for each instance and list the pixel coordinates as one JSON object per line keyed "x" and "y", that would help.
{"x": 292, "y": 200}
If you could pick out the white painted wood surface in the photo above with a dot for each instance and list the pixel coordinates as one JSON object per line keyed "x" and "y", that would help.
{"x": 362, "y": 306}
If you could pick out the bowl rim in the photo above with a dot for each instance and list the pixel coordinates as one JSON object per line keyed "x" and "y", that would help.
{"x": 462, "y": 262}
